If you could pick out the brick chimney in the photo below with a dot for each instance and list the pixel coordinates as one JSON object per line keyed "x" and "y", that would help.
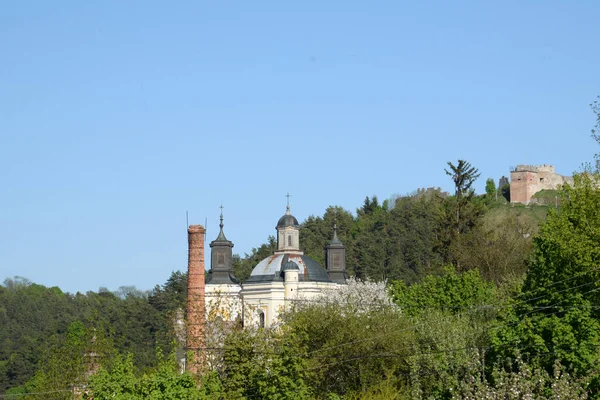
{"x": 196, "y": 319}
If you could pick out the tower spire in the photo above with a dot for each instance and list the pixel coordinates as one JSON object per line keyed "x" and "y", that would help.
{"x": 221, "y": 258}
{"x": 335, "y": 239}
{"x": 287, "y": 208}
{"x": 335, "y": 256}
{"x": 221, "y": 234}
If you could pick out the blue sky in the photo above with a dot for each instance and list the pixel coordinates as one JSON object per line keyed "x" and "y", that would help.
{"x": 117, "y": 117}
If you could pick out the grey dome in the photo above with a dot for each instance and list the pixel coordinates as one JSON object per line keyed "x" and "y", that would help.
{"x": 287, "y": 220}
{"x": 272, "y": 267}
{"x": 289, "y": 266}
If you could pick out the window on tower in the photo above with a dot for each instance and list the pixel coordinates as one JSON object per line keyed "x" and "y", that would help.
{"x": 337, "y": 260}
{"x": 289, "y": 240}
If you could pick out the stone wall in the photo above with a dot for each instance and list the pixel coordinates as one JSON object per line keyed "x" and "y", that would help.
{"x": 527, "y": 180}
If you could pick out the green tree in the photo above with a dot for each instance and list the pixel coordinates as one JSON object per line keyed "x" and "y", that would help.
{"x": 265, "y": 364}
{"x": 412, "y": 230}
{"x": 556, "y": 317}
{"x": 499, "y": 246}
{"x": 595, "y": 106}
{"x": 373, "y": 247}
{"x": 316, "y": 232}
{"x": 451, "y": 315}
{"x": 120, "y": 381}
{"x": 450, "y": 291}
{"x": 463, "y": 175}
{"x": 490, "y": 190}
{"x": 349, "y": 352}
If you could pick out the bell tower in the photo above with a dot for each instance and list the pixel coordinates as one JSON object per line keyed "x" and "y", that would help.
{"x": 221, "y": 260}
{"x": 288, "y": 232}
{"x": 335, "y": 258}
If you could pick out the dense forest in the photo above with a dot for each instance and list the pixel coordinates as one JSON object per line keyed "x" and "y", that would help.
{"x": 453, "y": 295}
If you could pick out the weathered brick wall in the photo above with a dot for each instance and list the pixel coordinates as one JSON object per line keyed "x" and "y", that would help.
{"x": 527, "y": 180}
{"x": 522, "y": 186}
{"x": 196, "y": 317}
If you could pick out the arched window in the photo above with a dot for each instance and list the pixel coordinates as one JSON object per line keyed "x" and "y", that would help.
{"x": 261, "y": 319}
{"x": 289, "y": 240}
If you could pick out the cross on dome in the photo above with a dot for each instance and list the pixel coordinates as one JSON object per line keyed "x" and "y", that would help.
{"x": 287, "y": 208}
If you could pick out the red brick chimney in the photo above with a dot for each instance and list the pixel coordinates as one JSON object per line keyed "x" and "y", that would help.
{"x": 196, "y": 319}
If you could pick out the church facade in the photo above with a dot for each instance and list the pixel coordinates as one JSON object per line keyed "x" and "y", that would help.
{"x": 286, "y": 276}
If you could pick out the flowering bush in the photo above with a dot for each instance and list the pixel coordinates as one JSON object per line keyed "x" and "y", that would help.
{"x": 358, "y": 296}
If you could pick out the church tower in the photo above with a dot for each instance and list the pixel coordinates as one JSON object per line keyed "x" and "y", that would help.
{"x": 288, "y": 233}
{"x": 221, "y": 260}
{"x": 335, "y": 258}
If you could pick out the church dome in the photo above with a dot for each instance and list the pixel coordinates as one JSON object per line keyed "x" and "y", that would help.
{"x": 287, "y": 220}
{"x": 289, "y": 266}
{"x": 272, "y": 268}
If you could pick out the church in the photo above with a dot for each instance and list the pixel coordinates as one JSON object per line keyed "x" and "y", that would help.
{"x": 287, "y": 275}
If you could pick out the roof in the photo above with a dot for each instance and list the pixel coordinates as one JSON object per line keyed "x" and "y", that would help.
{"x": 220, "y": 278}
{"x": 271, "y": 269}
{"x": 287, "y": 220}
{"x": 289, "y": 266}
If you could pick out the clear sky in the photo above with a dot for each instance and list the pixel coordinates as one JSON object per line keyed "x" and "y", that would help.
{"x": 118, "y": 116}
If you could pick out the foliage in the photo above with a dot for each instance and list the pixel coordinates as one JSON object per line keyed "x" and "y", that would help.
{"x": 524, "y": 382}
{"x": 463, "y": 175}
{"x": 265, "y": 364}
{"x": 504, "y": 188}
{"x": 350, "y": 352}
{"x": 556, "y": 317}
{"x": 490, "y": 189}
{"x": 595, "y": 106}
{"x": 317, "y": 231}
{"x": 172, "y": 295}
{"x": 120, "y": 381}
{"x": 499, "y": 246}
{"x": 451, "y": 314}
{"x": 36, "y": 334}
{"x": 451, "y": 292}
{"x": 356, "y": 296}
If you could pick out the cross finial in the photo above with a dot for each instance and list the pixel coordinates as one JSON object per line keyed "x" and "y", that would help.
{"x": 221, "y": 224}
{"x": 335, "y": 224}
{"x": 287, "y": 209}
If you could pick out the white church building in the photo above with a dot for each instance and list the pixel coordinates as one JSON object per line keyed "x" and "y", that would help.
{"x": 286, "y": 276}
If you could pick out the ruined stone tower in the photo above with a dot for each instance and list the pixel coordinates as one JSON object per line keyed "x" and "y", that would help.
{"x": 527, "y": 180}
{"x": 196, "y": 319}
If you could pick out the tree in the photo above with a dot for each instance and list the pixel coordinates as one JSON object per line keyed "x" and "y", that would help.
{"x": 500, "y": 247}
{"x": 119, "y": 381}
{"x": 463, "y": 175}
{"x": 451, "y": 314}
{"x": 413, "y": 230}
{"x": 504, "y": 188}
{"x": 352, "y": 340}
{"x": 490, "y": 189}
{"x": 265, "y": 364}
{"x": 595, "y": 106}
{"x": 557, "y": 316}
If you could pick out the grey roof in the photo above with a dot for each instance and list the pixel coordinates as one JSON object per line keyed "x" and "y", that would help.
{"x": 220, "y": 278}
{"x": 271, "y": 269}
{"x": 221, "y": 237}
{"x": 290, "y": 265}
{"x": 335, "y": 242}
{"x": 287, "y": 220}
